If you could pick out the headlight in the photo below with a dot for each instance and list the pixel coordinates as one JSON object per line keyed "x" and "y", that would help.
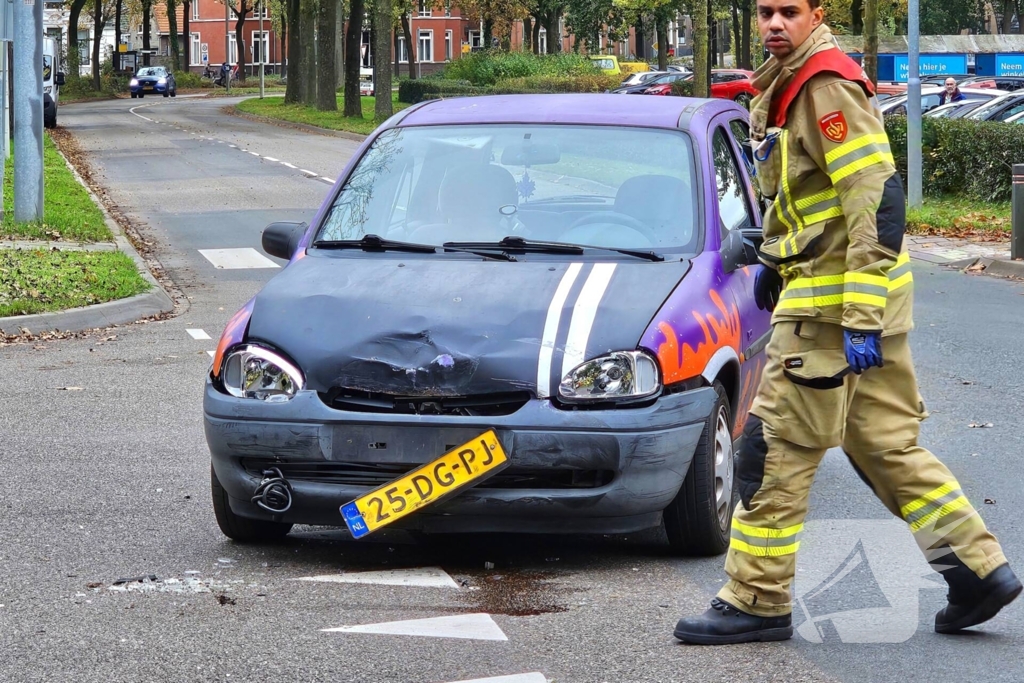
{"x": 134, "y": 81}
{"x": 162, "y": 81}
{"x": 617, "y": 376}
{"x": 46, "y": 90}
{"x": 257, "y": 372}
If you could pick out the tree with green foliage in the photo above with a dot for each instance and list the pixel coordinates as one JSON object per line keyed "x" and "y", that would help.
{"x": 75, "y": 8}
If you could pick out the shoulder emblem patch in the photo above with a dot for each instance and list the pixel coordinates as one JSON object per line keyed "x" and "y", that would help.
{"x": 833, "y": 126}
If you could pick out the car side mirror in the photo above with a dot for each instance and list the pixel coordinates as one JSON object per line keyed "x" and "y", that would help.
{"x": 282, "y": 239}
{"x": 740, "y": 248}
{"x": 59, "y": 80}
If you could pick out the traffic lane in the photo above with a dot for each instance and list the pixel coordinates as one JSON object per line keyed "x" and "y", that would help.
{"x": 325, "y": 155}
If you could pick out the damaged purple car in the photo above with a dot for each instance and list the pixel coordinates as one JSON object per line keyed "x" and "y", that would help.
{"x": 511, "y": 314}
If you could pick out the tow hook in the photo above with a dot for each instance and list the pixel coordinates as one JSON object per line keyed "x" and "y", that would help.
{"x": 274, "y": 493}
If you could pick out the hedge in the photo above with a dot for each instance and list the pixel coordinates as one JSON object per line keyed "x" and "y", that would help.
{"x": 555, "y": 84}
{"x": 413, "y": 91}
{"x": 488, "y": 67}
{"x": 971, "y": 159}
{"x": 682, "y": 88}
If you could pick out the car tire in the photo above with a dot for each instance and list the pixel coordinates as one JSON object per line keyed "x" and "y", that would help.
{"x": 141, "y": 95}
{"x": 167, "y": 93}
{"x": 699, "y": 519}
{"x": 242, "y": 529}
{"x": 174, "y": 93}
{"x": 743, "y": 99}
{"x": 134, "y": 95}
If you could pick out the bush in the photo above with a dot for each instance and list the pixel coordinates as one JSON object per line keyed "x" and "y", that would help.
{"x": 187, "y": 79}
{"x": 413, "y": 91}
{"x": 594, "y": 82}
{"x": 490, "y": 66}
{"x": 682, "y": 88}
{"x": 971, "y": 159}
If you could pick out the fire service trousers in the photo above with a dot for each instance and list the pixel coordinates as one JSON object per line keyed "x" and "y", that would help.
{"x": 807, "y": 402}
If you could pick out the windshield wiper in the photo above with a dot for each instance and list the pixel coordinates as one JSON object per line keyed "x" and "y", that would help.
{"x": 516, "y": 243}
{"x": 371, "y": 242}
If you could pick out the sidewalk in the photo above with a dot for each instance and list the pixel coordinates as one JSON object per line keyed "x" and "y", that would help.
{"x": 992, "y": 258}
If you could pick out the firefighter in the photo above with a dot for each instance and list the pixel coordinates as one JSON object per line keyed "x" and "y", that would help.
{"x": 839, "y": 371}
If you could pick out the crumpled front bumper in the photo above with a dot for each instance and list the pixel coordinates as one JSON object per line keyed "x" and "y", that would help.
{"x": 647, "y": 450}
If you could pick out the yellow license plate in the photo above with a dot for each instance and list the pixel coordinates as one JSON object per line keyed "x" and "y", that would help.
{"x": 467, "y": 464}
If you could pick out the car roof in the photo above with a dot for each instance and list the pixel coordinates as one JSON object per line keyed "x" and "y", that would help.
{"x": 572, "y": 108}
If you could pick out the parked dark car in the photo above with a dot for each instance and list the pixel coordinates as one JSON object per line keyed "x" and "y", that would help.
{"x": 999, "y": 109}
{"x": 153, "y": 80}
{"x": 639, "y": 88}
{"x": 1007, "y": 83}
{"x": 518, "y": 284}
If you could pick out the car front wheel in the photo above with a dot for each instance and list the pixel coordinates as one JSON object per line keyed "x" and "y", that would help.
{"x": 698, "y": 520}
{"x": 242, "y": 528}
{"x": 743, "y": 99}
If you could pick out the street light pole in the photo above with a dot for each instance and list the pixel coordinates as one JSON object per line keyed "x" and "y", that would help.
{"x": 263, "y": 45}
{"x": 227, "y": 44}
{"x": 28, "y": 110}
{"x": 914, "y": 166}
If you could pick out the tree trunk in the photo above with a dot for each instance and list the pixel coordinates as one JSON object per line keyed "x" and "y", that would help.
{"x": 398, "y": 61}
{"x": 748, "y": 58}
{"x": 293, "y": 89}
{"x": 488, "y": 33}
{"x": 551, "y": 26}
{"x": 147, "y": 24}
{"x": 116, "y": 57}
{"x": 1008, "y": 8}
{"x": 641, "y": 43}
{"x": 713, "y": 37}
{"x": 661, "y": 28}
{"x": 411, "y": 48}
{"x": 536, "y": 36}
{"x": 381, "y": 63}
{"x": 172, "y": 23}
{"x": 186, "y": 32}
{"x": 97, "y": 33}
{"x": 74, "y": 56}
{"x": 701, "y": 64}
{"x": 240, "y": 46}
{"x": 871, "y": 39}
{"x": 738, "y": 61}
{"x": 353, "y": 58}
{"x": 527, "y": 34}
{"x": 326, "y": 95}
{"x": 339, "y": 46}
{"x": 305, "y": 69}
{"x": 857, "y": 17}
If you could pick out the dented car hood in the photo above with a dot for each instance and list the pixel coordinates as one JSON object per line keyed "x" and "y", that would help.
{"x": 441, "y": 326}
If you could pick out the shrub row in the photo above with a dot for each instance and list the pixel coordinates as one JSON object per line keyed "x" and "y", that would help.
{"x": 412, "y": 92}
{"x": 972, "y": 159}
{"x": 488, "y": 67}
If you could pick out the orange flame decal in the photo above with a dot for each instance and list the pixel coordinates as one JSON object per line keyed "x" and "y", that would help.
{"x": 748, "y": 391}
{"x": 682, "y": 363}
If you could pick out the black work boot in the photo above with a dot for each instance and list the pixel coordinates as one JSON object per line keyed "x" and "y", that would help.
{"x": 973, "y": 600}
{"x": 723, "y": 624}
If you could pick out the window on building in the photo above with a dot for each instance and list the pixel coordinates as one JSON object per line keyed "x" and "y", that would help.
{"x": 447, "y": 46}
{"x": 232, "y": 50}
{"x": 402, "y": 51}
{"x": 195, "y": 9}
{"x": 425, "y": 51}
{"x": 424, "y": 9}
{"x": 448, "y": 9}
{"x": 366, "y": 50}
{"x": 475, "y": 38}
{"x": 542, "y": 41}
{"x": 84, "y": 49}
{"x": 260, "y": 46}
{"x": 195, "y": 55}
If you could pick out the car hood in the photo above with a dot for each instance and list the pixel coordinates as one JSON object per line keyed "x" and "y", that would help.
{"x": 443, "y": 326}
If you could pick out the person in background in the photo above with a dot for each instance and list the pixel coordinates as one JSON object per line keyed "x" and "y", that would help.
{"x": 951, "y": 93}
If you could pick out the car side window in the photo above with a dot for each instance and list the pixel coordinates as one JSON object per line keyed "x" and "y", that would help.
{"x": 733, "y": 209}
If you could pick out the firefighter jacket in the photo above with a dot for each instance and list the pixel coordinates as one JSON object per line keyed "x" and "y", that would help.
{"x": 835, "y": 228}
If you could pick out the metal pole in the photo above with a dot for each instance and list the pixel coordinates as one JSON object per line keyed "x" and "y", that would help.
{"x": 227, "y": 45}
{"x": 28, "y": 111}
{"x": 5, "y": 143}
{"x": 1017, "y": 213}
{"x": 914, "y": 171}
{"x": 263, "y": 46}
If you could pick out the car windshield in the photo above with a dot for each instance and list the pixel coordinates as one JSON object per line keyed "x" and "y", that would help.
{"x": 601, "y": 186}
{"x": 604, "y": 63}
{"x": 984, "y": 111}
{"x": 47, "y": 67}
{"x": 150, "y": 71}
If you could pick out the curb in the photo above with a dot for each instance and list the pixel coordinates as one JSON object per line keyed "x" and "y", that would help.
{"x": 154, "y": 302}
{"x": 989, "y": 266}
{"x": 305, "y": 127}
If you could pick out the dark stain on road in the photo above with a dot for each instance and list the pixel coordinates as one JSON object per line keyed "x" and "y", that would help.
{"x": 517, "y": 594}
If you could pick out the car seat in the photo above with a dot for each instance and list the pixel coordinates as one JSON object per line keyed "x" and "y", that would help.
{"x": 663, "y": 203}
{"x": 476, "y": 202}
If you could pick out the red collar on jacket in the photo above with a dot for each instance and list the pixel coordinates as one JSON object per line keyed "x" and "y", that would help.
{"x": 826, "y": 61}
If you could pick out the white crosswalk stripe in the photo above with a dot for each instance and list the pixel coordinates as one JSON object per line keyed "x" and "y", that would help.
{"x": 421, "y": 577}
{"x": 230, "y": 259}
{"x": 465, "y": 626}
{"x": 197, "y": 334}
{"x": 533, "y": 677}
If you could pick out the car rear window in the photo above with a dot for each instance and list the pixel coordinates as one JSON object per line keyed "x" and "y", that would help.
{"x": 593, "y": 185}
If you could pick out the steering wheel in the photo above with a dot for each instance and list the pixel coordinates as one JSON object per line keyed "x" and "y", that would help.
{"x": 619, "y": 218}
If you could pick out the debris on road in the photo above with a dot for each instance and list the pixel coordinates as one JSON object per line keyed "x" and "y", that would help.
{"x": 138, "y": 579}
{"x": 225, "y": 600}
{"x": 990, "y": 501}
{"x": 980, "y": 425}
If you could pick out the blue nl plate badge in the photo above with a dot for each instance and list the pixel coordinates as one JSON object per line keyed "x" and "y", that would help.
{"x": 354, "y": 520}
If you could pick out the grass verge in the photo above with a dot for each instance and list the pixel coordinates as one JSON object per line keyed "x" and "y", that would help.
{"x": 39, "y": 281}
{"x": 68, "y": 211}
{"x": 961, "y": 218}
{"x": 275, "y": 108}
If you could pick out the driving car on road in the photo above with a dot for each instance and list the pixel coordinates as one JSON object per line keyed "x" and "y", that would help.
{"x": 155, "y": 80}
{"x": 516, "y": 289}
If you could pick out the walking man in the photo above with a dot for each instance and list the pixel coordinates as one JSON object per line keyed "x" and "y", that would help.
{"x": 839, "y": 370}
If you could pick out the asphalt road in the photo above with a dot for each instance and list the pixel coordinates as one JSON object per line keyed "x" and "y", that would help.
{"x": 105, "y": 475}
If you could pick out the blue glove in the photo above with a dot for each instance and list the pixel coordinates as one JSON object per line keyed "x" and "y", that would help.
{"x": 863, "y": 350}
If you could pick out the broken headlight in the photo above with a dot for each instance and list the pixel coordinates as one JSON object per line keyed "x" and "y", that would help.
{"x": 252, "y": 371}
{"x": 623, "y": 375}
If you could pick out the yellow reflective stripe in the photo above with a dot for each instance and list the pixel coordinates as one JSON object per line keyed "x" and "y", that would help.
{"x": 902, "y": 258}
{"x": 854, "y": 166}
{"x": 819, "y": 281}
{"x": 761, "y": 532}
{"x": 827, "y": 193}
{"x": 901, "y": 281}
{"x": 760, "y": 551}
{"x": 853, "y": 145}
{"x": 810, "y": 302}
{"x": 834, "y": 212}
{"x": 866, "y": 279}
{"x": 935, "y": 494}
{"x": 866, "y": 299}
{"x": 951, "y": 506}
{"x": 786, "y": 196}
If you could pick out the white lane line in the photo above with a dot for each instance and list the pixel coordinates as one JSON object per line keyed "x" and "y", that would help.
{"x": 132, "y": 110}
{"x": 326, "y": 179}
{"x": 270, "y": 158}
{"x": 197, "y": 334}
{"x": 254, "y": 154}
{"x": 232, "y": 146}
{"x": 551, "y": 324}
{"x": 534, "y": 677}
{"x": 233, "y": 259}
{"x": 421, "y": 577}
{"x": 212, "y": 353}
{"x": 583, "y": 315}
{"x": 465, "y": 626}
{"x": 309, "y": 173}
{"x": 285, "y": 163}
